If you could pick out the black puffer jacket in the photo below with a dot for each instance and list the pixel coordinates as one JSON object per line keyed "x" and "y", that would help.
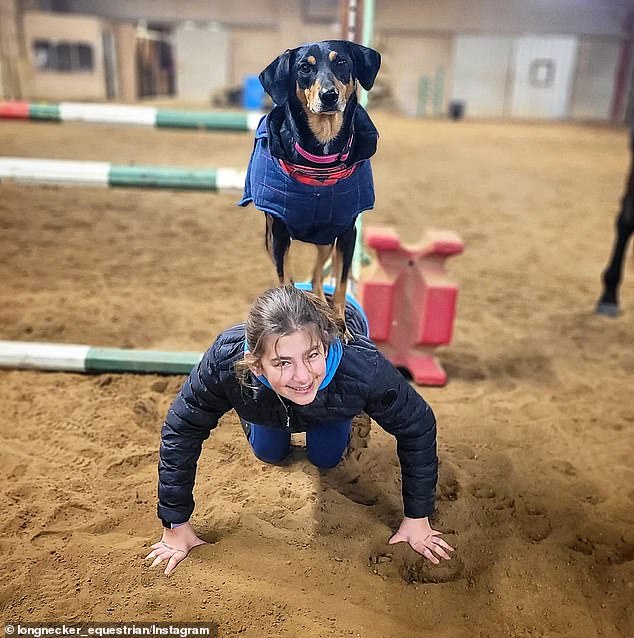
{"x": 364, "y": 382}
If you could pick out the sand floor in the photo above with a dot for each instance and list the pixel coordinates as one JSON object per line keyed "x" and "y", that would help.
{"x": 535, "y": 425}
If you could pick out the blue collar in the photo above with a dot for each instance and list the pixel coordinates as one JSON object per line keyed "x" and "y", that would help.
{"x": 333, "y": 358}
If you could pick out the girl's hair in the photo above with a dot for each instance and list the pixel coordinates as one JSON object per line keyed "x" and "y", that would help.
{"x": 279, "y": 312}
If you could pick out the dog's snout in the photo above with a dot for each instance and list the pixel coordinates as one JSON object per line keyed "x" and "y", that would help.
{"x": 329, "y": 97}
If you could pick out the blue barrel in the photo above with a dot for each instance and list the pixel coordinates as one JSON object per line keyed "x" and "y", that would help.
{"x": 253, "y": 93}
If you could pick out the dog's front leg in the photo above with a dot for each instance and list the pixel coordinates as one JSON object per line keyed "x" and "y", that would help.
{"x": 278, "y": 243}
{"x": 341, "y": 264}
{"x": 323, "y": 253}
{"x": 341, "y": 285}
{"x": 339, "y": 296}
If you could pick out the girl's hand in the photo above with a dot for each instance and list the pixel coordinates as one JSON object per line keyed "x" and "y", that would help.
{"x": 174, "y": 546}
{"x": 422, "y": 539}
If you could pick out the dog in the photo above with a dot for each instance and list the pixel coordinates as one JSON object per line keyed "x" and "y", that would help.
{"x": 309, "y": 171}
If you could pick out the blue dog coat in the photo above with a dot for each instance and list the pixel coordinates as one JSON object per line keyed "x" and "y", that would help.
{"x": 314, "y": 214}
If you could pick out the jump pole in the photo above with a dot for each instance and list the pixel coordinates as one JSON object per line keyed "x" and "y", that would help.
{"x": 104, "y": 174}
{"x": 34, "y": 355}
{"x": 26, "y": 355}
{"x": 122, "y": 114}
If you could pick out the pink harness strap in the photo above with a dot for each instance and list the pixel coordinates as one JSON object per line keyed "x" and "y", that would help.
{"x": 326, "y": 159}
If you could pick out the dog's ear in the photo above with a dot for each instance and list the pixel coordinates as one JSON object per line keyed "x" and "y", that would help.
{"x": 366, "y": 64}
{"x": 276, "y": 76}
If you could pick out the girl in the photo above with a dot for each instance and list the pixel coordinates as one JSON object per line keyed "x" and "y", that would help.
{"x": 288, "y": 369}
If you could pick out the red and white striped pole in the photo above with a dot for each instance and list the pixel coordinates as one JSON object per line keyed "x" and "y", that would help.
{"x": 351, "y": 20}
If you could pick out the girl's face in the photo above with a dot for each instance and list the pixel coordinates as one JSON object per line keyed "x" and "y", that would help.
{"x": 294, "y": 365}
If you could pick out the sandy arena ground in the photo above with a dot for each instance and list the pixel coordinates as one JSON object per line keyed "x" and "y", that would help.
{"x": 535, "y": 425}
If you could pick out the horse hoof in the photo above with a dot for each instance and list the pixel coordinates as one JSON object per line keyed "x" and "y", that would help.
{"x": 607, "y": 309}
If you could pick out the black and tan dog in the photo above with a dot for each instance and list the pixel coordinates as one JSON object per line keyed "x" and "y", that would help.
{"x": 309, "y": 171}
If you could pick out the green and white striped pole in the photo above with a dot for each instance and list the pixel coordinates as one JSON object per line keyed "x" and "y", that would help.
{"x": 80, "y": 358}
{"x": 122, "y": 114}
{"x": 104, "y": 174}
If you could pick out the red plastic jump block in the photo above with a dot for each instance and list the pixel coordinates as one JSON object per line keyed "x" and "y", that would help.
{"x": 409, "y": 301}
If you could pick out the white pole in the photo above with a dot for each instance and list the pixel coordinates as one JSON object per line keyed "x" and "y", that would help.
{"x": 43, "y": 356}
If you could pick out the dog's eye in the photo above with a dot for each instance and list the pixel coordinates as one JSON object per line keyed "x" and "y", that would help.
{"x": 342, "y": 61}
{"x": 304, "y": 67}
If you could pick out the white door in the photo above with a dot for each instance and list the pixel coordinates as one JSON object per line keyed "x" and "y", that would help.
{"x": 202, "y": 61}
{"x": 481, "y": 65}
{"x": 543, "y": 70}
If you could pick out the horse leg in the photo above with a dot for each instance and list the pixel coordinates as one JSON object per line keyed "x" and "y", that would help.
{"x": 608, "y": 303}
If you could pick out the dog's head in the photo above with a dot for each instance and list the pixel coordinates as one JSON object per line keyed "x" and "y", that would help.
{"x": 322, "y": 75}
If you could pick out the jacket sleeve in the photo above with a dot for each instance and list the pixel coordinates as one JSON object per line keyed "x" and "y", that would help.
{"x": 401, "y": 411}
{"x": 193, "y": 414}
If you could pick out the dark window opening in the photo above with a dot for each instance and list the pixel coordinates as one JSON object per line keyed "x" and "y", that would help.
{"x": 45, "y": 55}
{"x": 84, "y": 57}
{"x": 63, "y": 56}
{"x": 541, "y": 73}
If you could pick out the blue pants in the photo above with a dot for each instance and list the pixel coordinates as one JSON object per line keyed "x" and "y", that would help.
{"x": 325, "y": 445}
